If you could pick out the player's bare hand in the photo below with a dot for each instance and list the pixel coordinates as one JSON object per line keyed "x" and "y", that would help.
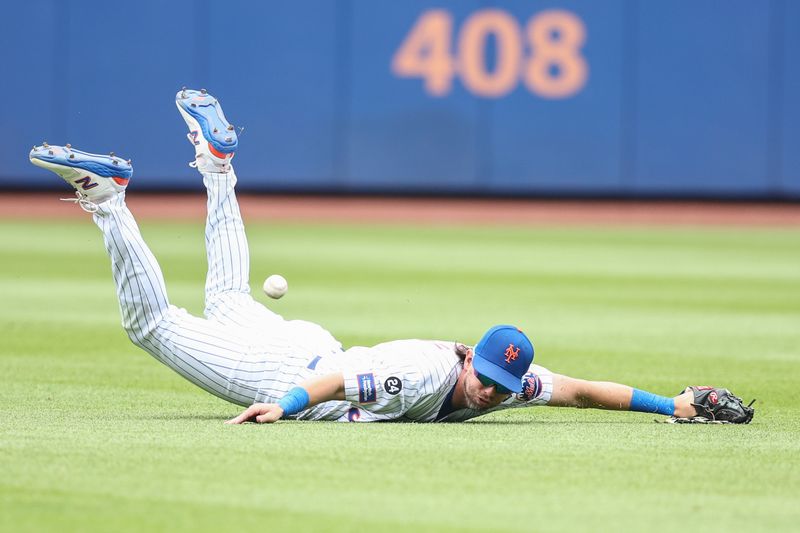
{"x": 261, "y": 413}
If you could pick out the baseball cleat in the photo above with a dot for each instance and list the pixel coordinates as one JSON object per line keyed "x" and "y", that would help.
{"x": 213, "y": 137}
{"x": 96, "y": 178}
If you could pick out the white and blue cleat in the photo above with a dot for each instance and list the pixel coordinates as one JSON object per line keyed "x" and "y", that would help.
{"x": 95, "y": 178}
{"x": 213, "y": 137}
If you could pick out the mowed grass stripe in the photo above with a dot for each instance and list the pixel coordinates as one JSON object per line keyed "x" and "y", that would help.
{"x": 96, "y": 435}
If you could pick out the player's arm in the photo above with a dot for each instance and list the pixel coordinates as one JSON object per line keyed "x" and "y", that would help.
{"x": 308, "y": 394}
{"x": 581, "y": 393}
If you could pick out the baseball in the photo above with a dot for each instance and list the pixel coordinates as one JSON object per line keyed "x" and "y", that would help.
{"x": 275, "y": 286}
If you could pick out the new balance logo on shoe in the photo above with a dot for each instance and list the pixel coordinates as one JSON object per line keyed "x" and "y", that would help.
{"x": 86, "y": 183}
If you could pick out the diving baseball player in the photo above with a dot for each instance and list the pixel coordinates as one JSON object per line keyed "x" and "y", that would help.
{"x": 250, "y": 356}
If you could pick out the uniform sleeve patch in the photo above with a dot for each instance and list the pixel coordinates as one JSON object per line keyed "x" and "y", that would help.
{"x": 531, "y": 387}
{"x": 393, "y": 385}
{"x": 366, "y": 388}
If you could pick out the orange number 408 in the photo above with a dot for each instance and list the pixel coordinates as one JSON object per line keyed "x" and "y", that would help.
{"x": 554, "y": 68}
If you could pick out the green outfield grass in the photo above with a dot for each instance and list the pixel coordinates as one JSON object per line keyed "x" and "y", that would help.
{"x": 96, "y": 435}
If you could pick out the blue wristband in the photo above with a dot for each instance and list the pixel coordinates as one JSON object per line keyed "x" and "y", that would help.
{"x": 295, "y": 401}
{"x": 646, "y": 402}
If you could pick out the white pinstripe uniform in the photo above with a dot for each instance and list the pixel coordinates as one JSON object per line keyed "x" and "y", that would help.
{"x": 245, "y": 353}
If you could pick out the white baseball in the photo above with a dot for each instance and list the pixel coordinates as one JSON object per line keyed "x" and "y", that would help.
{"x": 275, "y": 286}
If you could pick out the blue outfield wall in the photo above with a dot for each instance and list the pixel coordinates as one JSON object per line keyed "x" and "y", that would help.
{"x": 566, "y": 97}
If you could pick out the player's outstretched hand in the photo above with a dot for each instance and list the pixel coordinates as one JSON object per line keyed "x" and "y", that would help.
{"x": 262, "y": 413}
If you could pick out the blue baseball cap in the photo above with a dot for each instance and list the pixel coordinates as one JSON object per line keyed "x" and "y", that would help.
{"x": 504, "y": 354}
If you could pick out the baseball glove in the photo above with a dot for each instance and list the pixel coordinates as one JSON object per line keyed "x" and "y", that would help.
{"x": 716, "y": 406}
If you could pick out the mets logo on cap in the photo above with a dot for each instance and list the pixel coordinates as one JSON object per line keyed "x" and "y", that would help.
{"x": 512, "y": 353}
{"x": 504, "y": 354}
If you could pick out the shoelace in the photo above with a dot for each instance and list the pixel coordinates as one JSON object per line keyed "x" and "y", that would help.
{"x": 83, "y": 201}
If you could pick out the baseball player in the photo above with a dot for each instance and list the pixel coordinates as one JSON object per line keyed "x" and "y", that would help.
{"x": 250, "y": 356}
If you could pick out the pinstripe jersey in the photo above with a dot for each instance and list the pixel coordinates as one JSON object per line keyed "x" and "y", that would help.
{"x": 410, "y": 380}
{"x": 244, "y": 353}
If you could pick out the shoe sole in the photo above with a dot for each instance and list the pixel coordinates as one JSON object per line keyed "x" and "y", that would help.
{"x": 70, "y": 163}
{"x": 203, "y": 114}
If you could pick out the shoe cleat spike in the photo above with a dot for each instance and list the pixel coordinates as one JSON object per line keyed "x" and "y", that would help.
{"x": 50, "y": 152}
{"x": 228, "y": 139}
{"x": 183, "y": 92}
{"x": 230, "y": 127}
{"x": 72, "y": 156}
{"x": 128, "y": 161}
{"x": 216, "y": 130}
{"x": 203, "y": 91}
{"x": 68, "y": 146}
{"x": 45, "y": 145}
{"x": 114, "y": 162}
{"x": 111, "y": 154}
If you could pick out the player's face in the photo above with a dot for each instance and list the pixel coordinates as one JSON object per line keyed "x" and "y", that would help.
{"x": 477, "y": 395}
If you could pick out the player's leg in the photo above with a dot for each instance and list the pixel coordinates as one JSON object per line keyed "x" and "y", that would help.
{"x": 228, "y": 297}
{"x": 206, "y": 353}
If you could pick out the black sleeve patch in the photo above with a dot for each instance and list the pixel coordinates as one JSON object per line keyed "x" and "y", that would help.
{"x": 393, "y": 385}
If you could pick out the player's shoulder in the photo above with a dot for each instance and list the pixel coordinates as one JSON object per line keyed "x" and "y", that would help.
{"x": 414, "y": 347}
{"x": 428, "y": 357}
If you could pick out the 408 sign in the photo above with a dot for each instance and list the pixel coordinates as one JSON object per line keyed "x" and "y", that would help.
{"x": 552, "y": 68}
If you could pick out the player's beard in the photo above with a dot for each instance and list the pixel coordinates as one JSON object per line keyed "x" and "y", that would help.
{"x": 492, "y": 402}
{"x": 474, "y": 406}
{"x": 471, "y": 404}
